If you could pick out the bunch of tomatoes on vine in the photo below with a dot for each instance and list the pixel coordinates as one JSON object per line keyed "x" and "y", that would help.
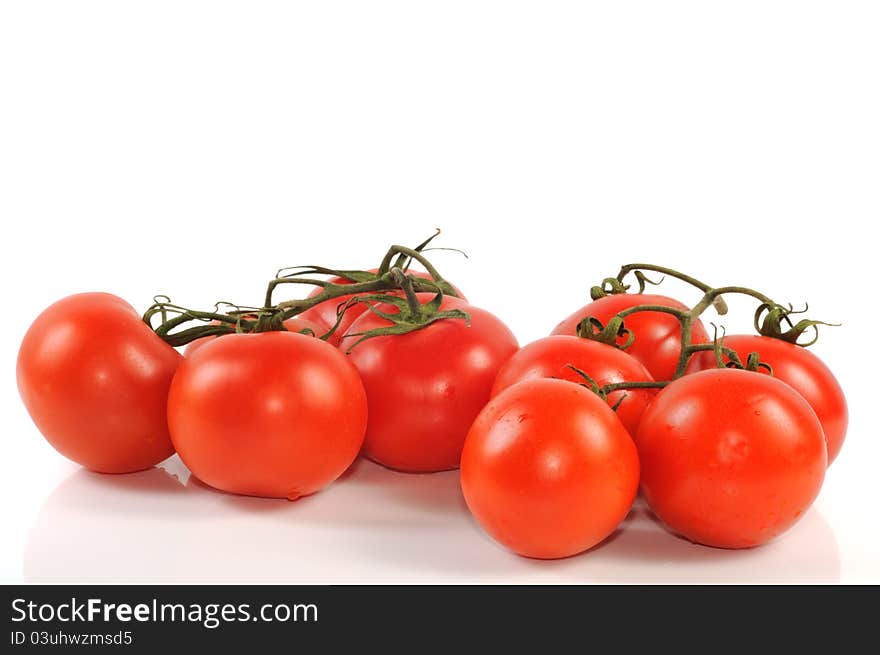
{"x": 727, "y": 436}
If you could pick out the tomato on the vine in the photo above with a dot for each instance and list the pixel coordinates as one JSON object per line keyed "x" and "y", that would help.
{"x": 553, "y": 357}
{"x": 273, "y": 414}
{"x": 730, "y": 458}
{"x": 657, "y": 342}
{"x": 94, "y": 377}
{"x": 800, "y": 369}
{"x": 325, "y": 313}
{"x": 548, "y": 470}
{"x": 425, "y": 388}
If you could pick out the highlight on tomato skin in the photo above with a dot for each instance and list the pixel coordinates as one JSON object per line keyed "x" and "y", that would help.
{"x": 554, "y": 356}
{"x": 271, "y": 414}
{"x": 548, "y": 470}
{"x": 425, "y": 388}
{"x": 657, "y": 342}
{"x": 94, "y": 379}
{"x": 730, "y": 458}
{"x": 800, "y": 369}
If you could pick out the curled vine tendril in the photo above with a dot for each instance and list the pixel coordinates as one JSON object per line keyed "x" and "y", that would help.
{"x": 769, "y": 318}
{"x": 611, "y": 334}
{"x": 610, "y": 286}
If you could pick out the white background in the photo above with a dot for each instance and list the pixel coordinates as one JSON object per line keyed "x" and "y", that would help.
{"x": 191, "y": 148}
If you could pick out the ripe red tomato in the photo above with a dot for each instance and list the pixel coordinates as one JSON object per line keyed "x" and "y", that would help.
{"x": 325, "y": 313}
{"x": 800, "y": 369}
{"x": 94, "y": 377}
{"x": 548, "y": 470}
{"x": 730, "y": 458}
{"x": 426, "y": 387}
{"x": 295, "y": 324}
{"x": 274, "y": 414}
{"x": 550, "y": 358}
{"x": 657, "y": 342}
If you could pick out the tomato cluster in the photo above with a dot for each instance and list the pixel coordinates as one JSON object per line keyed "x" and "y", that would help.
{"x": 728, "y": 438}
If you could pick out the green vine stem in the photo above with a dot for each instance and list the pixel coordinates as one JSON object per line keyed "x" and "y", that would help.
{"x": 605, "y": 390}
{"x": 366, "y": 287}
{"x": 711, "y": 296}
{"x": 616, "y": 285}
{"x": 768, "y": 318}
{"x": 625, "y": 386}
{"x": 411, "y": 315}
{"x": 717, "y": 346}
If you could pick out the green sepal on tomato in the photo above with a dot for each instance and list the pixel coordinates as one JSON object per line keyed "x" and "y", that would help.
{"x": 326, "y": 314}
{"x": 657, "y": 335}
{"x": 800, "y": 369}
{"x": 95, "y": 378}
{"x": 425, "y": 388}
{"x": 554, "y": 356}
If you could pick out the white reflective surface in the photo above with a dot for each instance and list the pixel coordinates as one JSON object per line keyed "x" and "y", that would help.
{"x": 374, "y": 525}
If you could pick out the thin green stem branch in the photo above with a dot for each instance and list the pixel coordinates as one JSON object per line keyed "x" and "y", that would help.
{"x": 629, "y": 268}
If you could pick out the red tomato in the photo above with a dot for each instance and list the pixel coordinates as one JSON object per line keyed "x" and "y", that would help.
{"x": 325, "y": 313}
{"x": 426, "y": 387}
{"x": 295, "y": 324}
{"x": 550, "y": 358}
{"x": 800, "y": 369}
{"x": 730, "y": 458}
{"x": 548, "y": 470}
{"x": 94, "y": 377}
{"x": 274, "y": 414}
{"x": 657, "y": 342}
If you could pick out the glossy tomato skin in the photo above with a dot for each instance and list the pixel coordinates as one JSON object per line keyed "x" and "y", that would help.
{"x": 273, "y": 414}
{"x": 295, "y": 324}
{"x": 325, "y": 313}
{"x": 548, "y": 470}
{"x": 94, "y": 378}
{"x": 801, "y": 370}
{"x": 657, "y": 342}
{"x": 550, "y": 357}
{"x": 426, "y": 387}
{"x": 730, "y": 458}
